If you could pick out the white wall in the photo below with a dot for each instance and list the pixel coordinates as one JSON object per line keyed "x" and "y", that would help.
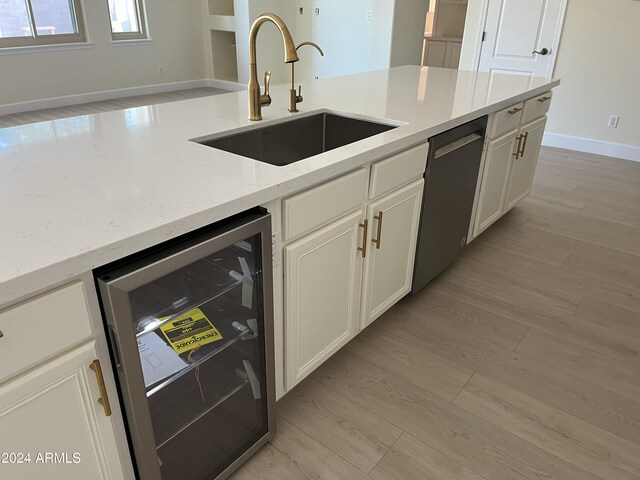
{"x": 351, "y": 42}
{"x": 175, "y": 27}
{"x": 599, "y": 64}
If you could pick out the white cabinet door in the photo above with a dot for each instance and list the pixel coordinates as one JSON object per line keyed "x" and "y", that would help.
{"x": 435, "y": 52}
{"x": 495, "y": 180}
{"x": 52, "y": 414}
{"x": 524, "y": 167}
{"x": 323, "y": 279}
{"x": 389, "y": 262}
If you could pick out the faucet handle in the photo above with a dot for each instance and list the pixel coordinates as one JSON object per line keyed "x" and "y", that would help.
{"x": 265, "y": 99}
{"x": 267, "y": 81}
{"x": 299, "y": 96}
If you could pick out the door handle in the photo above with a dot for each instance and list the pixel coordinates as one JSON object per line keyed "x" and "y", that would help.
{"x": 544, "y": 51}
{"x": 525, "y": 136}
{"x": 365, "y": 227}
{"x": 377, "y": 240}
{"x": 517, "y": 154}
{"x": 104, "y": 396}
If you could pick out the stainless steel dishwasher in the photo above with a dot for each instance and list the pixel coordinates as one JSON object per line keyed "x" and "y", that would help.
{"x": 452, "y": 171}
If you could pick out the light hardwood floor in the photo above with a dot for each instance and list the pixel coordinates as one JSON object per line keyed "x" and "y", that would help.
{"x": 521, "y": 361}
{"x": 104, "y": 106}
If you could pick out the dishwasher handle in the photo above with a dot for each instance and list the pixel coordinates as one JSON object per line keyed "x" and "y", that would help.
{"x": 457, "y": 144}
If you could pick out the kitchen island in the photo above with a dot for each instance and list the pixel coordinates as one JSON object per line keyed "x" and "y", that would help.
{"x": 80, "y": 193}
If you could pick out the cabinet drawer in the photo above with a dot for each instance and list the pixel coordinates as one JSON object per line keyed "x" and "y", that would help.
{"x": 306, "y": 211}
{"x": 397, "y": 170}
{"x": 506, "y": 120}
{"x": 42, "y": 327}
{"x": 536, "y": 107}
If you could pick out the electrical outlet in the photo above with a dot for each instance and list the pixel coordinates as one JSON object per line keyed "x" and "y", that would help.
{"x": 317, "y": 11}
{"x": 301, "y": 10}
{"x": 368, "y": 14}
{"x": 613, "y": 121}
{"x": 160, "y": 70}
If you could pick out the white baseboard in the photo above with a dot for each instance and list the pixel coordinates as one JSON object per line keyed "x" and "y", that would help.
{"x": 598, "y": 147}
{"x": 225, "y": 85}
{"x": 98, "y": 96}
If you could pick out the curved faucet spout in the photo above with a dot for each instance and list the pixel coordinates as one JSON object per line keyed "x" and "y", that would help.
{"x": 290, "y": 54}
{"x": 256, "y": 100}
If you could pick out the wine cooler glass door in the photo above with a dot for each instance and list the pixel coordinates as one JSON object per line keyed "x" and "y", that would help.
{"x": 192, "y": 338}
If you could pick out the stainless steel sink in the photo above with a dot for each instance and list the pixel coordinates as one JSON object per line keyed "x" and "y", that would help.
{"x": 290, "y": 141}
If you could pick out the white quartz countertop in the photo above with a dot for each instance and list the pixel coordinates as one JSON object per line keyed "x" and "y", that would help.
{"x": 81, "y": 192}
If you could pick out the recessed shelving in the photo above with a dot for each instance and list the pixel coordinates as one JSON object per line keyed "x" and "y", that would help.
{"x": 223, "y": 50}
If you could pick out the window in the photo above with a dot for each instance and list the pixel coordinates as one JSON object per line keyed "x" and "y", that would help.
{"x": 40, "y": 22}
{"x": 127, "y": 19}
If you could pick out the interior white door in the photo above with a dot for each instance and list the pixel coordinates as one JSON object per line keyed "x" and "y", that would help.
{"x": 515, "y": 30}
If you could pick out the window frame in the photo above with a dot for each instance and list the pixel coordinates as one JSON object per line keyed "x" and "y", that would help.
{"x": 142, "y": 25}
{"x": 35, "y": 39}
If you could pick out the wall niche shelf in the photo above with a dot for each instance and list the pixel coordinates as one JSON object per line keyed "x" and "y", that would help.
{"x": 225, "y": 61}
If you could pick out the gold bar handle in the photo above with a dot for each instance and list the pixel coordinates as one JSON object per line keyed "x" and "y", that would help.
{"x": 544, "y": 99}
{"x": 517, "y": 154}
{"x": 525, "y": 136}
{"x": 365, "y": 226}
{"x": 104, "y": 397}
{"x": 513, "y": 111}
{"x": 377, "y": 240}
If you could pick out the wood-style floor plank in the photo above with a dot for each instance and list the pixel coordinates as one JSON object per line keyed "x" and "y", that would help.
{"x": 615, "y": 375}
{"x": 105, "y": 106}
{"x": 410, "y": 458}
{"x": 473, "y": 320}
{"x": 474, "y": 443}
{"x": 568, "y": 284}
{"x": 604, "y": 272}
{"x": 340, "y": 425}
{"x": 599, "y": 232}
{"x": 576, "y": 441}
{"x": 590, "y": 402}
{"x": 569, "y": 327}
{"x": 294, "y": 455}
{"x": 610, "y": 316}
{"x": 243, "y": 473}
{"x": 417, "y": 365}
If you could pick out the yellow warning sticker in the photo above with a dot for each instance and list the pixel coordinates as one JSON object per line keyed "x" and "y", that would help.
{"x": 190, "y": 330}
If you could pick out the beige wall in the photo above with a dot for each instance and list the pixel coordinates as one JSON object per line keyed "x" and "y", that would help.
{"x": 176, "y": 30}
{"x": 598, "y": 62}
{"x": 408, "y": 32}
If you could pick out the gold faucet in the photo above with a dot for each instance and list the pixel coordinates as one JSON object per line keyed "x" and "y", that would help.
{"x": 296, "y": 98}
{"x": 257, "y": 100}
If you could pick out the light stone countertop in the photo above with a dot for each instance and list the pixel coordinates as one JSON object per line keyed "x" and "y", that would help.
{"x": 81, "y": 192}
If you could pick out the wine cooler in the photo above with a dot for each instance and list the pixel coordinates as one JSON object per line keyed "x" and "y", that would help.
{"x": 190, "y": 328}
